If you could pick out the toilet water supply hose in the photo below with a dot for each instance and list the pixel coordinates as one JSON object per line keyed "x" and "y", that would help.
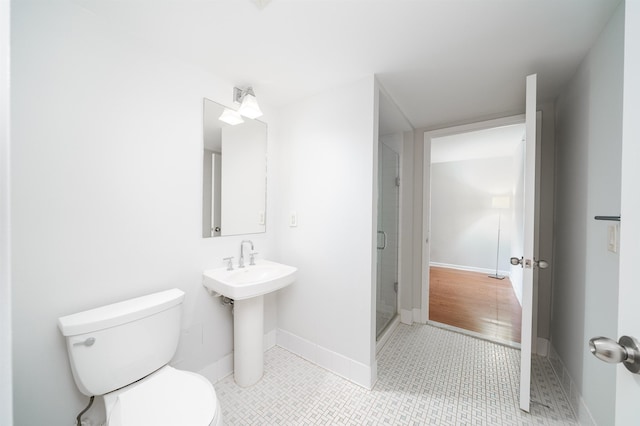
{"x": 79, "y": 418}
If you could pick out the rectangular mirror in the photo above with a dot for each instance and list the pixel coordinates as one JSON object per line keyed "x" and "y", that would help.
{"x": 234, "y": 178}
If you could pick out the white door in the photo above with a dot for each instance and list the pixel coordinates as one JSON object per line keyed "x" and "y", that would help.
{"x": 527, "y": 260}
{"x": 628, "y": 384}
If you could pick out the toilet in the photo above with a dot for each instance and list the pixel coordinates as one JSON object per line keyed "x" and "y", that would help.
{"x": 121, "y": 352}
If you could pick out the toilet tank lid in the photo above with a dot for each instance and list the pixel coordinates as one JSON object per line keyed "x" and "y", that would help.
{"x": 119, "y": 313}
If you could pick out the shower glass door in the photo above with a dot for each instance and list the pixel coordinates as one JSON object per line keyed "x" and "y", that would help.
{"x": 387, "y": 237}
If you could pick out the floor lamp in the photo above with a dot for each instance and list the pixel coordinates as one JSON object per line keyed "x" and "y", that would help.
{"x": 499, "y": 203}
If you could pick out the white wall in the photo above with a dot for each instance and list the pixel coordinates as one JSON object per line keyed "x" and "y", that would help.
{"x": 96, "y": 218}
{"x": 406, "y": 224}
{"x": 464, "y": 226}
{"x": 421, "y": 167}
{"x": 6, "y": 409}
{"x": 326, "y": 162}
{"x": 588, "y": 158}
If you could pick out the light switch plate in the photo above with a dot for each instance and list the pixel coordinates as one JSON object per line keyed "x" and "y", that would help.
{"x": 293, "y": 219}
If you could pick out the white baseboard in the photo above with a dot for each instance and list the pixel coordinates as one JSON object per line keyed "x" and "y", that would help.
{"x": 223, "y": 367}
{"x": 469, "y": 268}
{"x": 542, "y": 347}
{"x": 409, "y": 316}
{"x": 570, "y": 389}
{"x": 348, "y": 368}
{"x": 219, "y": 369}
{"x": 406, "y": 316}
{"x": 269, "y": 340}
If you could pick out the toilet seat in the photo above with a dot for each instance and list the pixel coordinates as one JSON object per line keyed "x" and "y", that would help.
{"x": 167, "y": 397}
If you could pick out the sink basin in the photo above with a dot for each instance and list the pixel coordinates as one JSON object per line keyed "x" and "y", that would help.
{"x": 250, "y": 281}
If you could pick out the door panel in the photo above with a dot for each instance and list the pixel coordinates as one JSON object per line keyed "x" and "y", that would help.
{"x": 526, "y": 341}
{"x": 627, "y": 384}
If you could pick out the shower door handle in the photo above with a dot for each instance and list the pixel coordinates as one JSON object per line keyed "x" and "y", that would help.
{"x": 384, "y": 240}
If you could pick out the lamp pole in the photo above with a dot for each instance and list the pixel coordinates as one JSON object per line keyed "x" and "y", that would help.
{"x": 496, "y": 276}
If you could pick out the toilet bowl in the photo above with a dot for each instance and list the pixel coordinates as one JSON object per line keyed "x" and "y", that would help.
{"x": 121, "y": 352}
{"x": 166, "y": 397}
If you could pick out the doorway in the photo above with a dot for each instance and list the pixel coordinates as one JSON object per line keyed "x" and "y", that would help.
{"x": 475, "y": 181}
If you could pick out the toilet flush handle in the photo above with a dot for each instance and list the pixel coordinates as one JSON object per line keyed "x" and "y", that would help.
{"x": 89, "y": 341}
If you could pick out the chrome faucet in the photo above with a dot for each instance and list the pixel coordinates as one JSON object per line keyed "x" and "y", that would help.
{"x": 241, "y": 261}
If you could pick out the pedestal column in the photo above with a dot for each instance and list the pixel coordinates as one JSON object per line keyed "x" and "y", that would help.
{"x": 248, "y": 333}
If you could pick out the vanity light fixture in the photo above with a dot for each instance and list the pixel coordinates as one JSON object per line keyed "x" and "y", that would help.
{"x": 248, "y": 102}
{"x": 230, "y": 116}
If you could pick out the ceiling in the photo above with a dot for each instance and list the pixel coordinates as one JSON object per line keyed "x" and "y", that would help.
{"x": 440, "y": 61}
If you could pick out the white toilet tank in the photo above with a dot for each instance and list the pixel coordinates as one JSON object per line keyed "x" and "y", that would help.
{"x": 115, "y": 345}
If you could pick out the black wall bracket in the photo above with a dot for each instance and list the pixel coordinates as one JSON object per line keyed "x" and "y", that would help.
{"x": 614, "y": 218}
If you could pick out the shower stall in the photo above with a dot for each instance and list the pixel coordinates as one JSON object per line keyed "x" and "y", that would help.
{"x": 387, "y": 237}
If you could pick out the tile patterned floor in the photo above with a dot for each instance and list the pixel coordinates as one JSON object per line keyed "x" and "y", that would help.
{"x": 426, "y": 376}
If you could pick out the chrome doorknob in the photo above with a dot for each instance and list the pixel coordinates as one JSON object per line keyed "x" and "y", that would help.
{"x": 626, "y": 351}
{"x": 607, "y": 350}
{"x": 515, "y": 261}
{"x": 542, "y": 264}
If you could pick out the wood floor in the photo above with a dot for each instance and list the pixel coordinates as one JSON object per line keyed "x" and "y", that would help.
{"x": 475, "y": 302}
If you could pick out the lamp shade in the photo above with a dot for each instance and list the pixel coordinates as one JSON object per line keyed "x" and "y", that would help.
{"x": 230, "y": 116}
{"x": 249, "y": 107}
{"x": 501, "y": 202}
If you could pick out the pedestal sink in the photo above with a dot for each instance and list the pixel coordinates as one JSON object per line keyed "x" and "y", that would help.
{"x": 247, "y": 287}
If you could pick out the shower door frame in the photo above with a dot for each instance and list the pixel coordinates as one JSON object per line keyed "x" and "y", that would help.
{"x": 379, "y": 334}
